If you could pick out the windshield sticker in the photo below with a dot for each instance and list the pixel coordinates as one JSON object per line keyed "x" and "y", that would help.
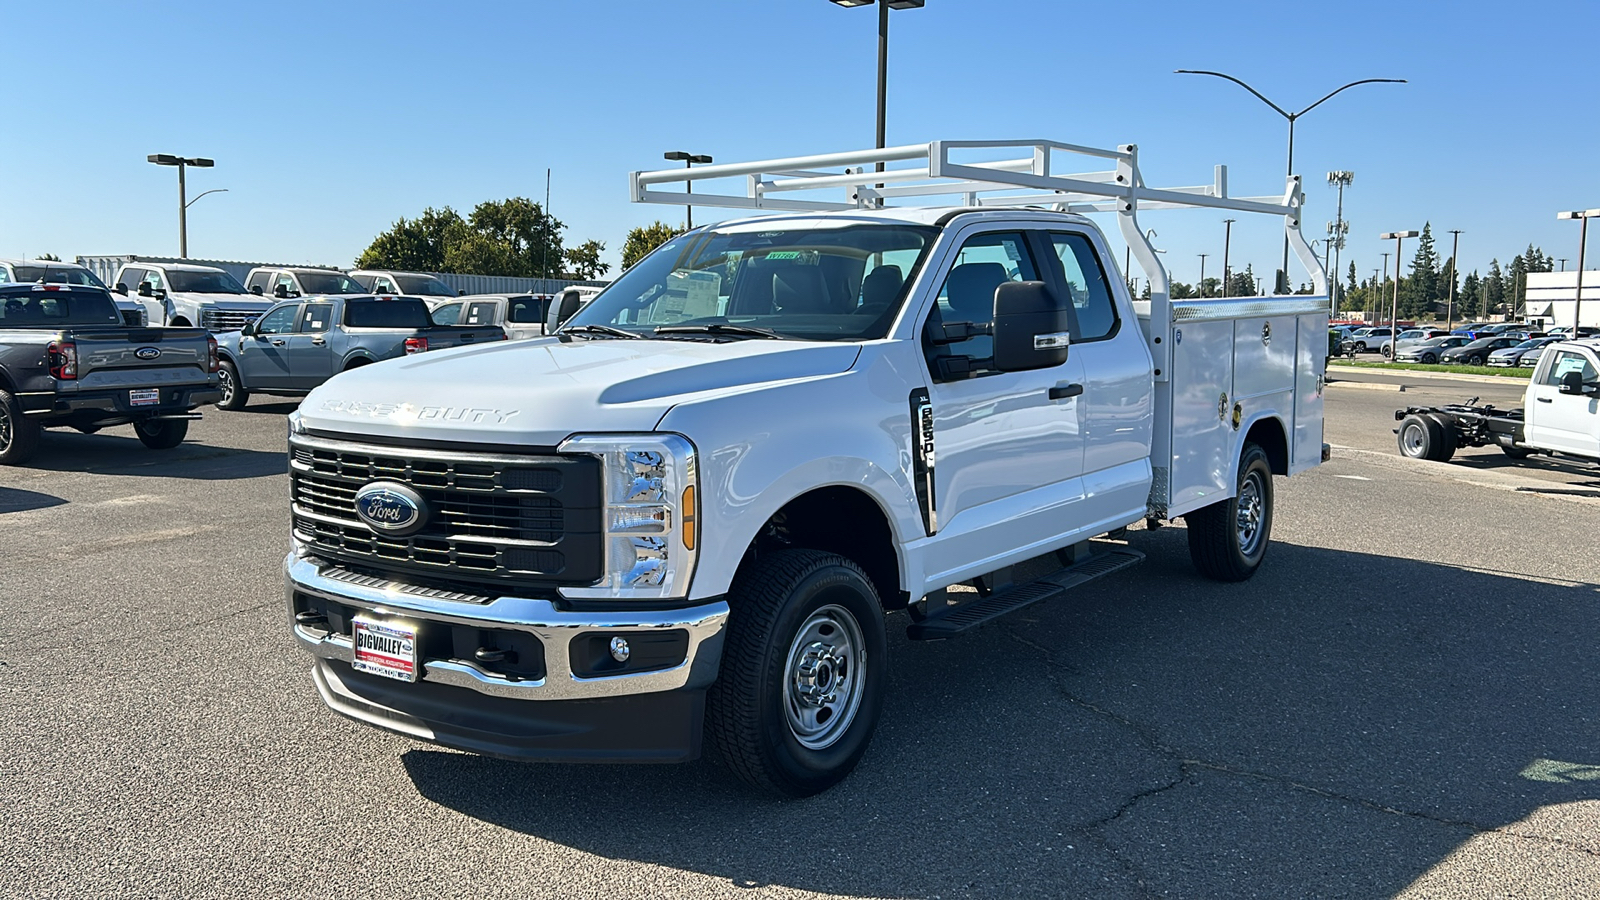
{"x": 1012, "y": 253}
{"x": 690, "y": 295}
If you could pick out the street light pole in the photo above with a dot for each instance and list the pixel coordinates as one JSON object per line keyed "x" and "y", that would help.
{"x": 689, "y": 160}
{"x": 1583, "y": 217}
{"x": 1227, "y": 240}
{"x": 167, "y": 159}
{"x": 1202, "y": 286}
{"x": 1455, "y": 270}
{"x": 1394, "y": 306}
{"x": 1291, "y": 117}
{"x": 1377, "y": 308}
{"x": 883, "y": 55}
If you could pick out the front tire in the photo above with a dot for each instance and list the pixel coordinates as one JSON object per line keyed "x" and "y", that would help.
{"x": 803, "y": 671}
{"x": 19, "y": 435}
{"x": 1229, "y": 539}
{"x": 161, "y": 434}
{"x": 234, "y": 396}
{"x": 1429, "y": 358}
{"x": 1474, "y": 360}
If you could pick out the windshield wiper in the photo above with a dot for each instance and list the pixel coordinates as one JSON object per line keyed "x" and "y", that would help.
{"x": 602, "y": 329}
{"x": 721, "y": 328}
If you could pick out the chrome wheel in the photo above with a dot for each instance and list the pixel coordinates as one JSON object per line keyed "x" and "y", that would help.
{"x": 824, "y": 678}
{"x": 1251, "y": 514}
{"x": 225, "y": 382}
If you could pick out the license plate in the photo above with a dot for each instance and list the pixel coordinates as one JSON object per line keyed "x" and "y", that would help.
{"x": 147, "y": 397}
{"x": 386, "y": 647}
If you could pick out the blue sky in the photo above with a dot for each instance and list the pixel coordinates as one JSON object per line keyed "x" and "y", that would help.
{"x": 329, "y": 120}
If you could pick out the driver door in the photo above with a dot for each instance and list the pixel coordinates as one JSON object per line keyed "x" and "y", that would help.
{"x": 1568, "y": 422}
{"x": 1009, "y": 455}
{"x": 263, "y": 355}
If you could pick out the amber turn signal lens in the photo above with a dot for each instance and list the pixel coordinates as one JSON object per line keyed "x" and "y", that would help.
{"x": 687, "y": 516}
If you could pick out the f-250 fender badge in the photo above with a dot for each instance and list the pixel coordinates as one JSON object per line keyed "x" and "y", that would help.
{"x": 466, "y": 415}
{"x": 391, "y": 507}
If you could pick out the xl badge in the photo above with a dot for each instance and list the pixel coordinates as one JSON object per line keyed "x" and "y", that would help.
{"x": 389, "y": 507}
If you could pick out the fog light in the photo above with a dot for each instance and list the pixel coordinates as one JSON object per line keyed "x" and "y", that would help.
{"x": 619, "y": 649}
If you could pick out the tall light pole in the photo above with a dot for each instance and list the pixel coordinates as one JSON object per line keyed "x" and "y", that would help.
{"x": 1227, "y": 239}
{"x": 689, "y": 160}
{"x": 1202, "y": 285}
{"x": 883, "y": 53}
{"x": 1563, "y": 262}
{"x": 1583, "y": 217}
{"x": 1291, "y": 116}
{"x": 1394, "y": 305}
{"x": 1377, "y": 308}
{"x": 167, "y": 159}
{"x": 1340, "y": 179}
{"x": 1455, "y": 269}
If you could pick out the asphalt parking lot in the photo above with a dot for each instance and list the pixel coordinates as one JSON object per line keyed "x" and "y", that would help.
{"x": 1402, "y": 703}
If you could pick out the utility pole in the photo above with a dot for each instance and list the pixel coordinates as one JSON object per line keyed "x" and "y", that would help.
{"x": 1379, "y": 309}
{"x": 1340, "y": 179}
{"x": 1583, "y": 217}
{"x": 1202, "y": 285}
{"x": 1455, "y": 267}
{"x": 544, "y": 266}
{"x": 1563, "y": 262}
{"x": 1227, "y": 239}
{"x": 1394, "y": 306}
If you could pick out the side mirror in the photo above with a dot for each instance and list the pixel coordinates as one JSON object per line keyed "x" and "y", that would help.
{"x": 570, "y": 303}
{"x": 281, "y": 291}
{"x": 248, "y": 329}
{"x": 145, "y": 290}
{"x": 256, "y": 289}
{"x": 1031, "y": 328}
{"x": 121, "y": 289}
{"x": 460, "y": 292}
{"x": 1571, "y": 382}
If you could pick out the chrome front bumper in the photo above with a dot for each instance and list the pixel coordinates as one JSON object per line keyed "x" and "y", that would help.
{"x": 554, "y": 628}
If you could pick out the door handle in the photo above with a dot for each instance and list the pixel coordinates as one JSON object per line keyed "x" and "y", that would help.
{"x": 1544, "y": 399}
{"x": 318, "y": 342}
{"x": 277, "y": 343}
{"x": 1063, "y": 391}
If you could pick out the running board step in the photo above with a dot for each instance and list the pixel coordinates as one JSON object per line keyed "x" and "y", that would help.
{"x": 976, "y": 613}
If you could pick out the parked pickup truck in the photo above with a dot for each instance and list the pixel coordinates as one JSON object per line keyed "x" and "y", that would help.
{"x": 66, "y": 359}
{"x": 688, "y": 512}
{"x": 1560, "y": 415}
{"x": 287, "y": 283}
{"x": 298, "y": 344}
{"x": 183, "y": 295}
{"x": 521, "y": 315}
{"x": 54, "y": 271}
{"x": 409, "y": 284}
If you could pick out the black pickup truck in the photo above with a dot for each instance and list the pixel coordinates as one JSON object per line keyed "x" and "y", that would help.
{"x": 66, "y": 359}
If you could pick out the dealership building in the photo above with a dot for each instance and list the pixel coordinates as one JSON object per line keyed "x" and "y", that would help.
{"x": 1552, "y": 296}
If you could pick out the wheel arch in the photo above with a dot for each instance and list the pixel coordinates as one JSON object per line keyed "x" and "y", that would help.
{"x": 842, "y": 519}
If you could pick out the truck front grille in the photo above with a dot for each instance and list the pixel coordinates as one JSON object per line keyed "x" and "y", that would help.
{"x": 220, "y": 320}
{"x": 491, "y": 518}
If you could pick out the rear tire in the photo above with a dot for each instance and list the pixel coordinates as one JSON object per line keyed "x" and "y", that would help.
{"x": 1229, "y": 539}
{"x": 803, "y": 671}
{"x": 161, "y": 434}
{"x": 234, "y": 396}
{"x": 1429, "y": 359}
{"x": 1515, "y": 452}
{"x": 1425, "y": 437}
{"x": 1475, "y": 360}
{"x": 19, "y": 435}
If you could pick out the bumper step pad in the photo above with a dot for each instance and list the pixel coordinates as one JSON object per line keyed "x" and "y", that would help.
{"x": 958, "y": 620}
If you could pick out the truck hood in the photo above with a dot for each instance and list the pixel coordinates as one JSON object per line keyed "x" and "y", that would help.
{"x": 248, "y": 302}
{"x": 537, "y": 393}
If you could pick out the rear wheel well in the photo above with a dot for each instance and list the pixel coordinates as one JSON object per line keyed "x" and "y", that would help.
{"x": 838, "y": 520}
{"x": 180, "y": 322}
{"x": 1268, "y": 435}
{"x": 356, "y": 363}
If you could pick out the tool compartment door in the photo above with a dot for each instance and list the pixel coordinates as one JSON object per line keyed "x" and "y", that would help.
{"x": 1310, "y": 367}
{"x": 1202, "y": 436}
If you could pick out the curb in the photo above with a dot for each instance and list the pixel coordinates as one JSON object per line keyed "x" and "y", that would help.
{"x": 1442, "y": 376}
{"x": 1366, "y": 386}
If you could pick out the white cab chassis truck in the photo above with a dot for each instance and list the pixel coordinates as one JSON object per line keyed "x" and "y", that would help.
{"x": 684, "y": 517}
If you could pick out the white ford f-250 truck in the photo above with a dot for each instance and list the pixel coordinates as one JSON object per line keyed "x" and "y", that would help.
{"x": 689, "y": 511}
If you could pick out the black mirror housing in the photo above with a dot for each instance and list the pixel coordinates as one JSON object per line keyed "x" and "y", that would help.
{"x": 248, "y": 329}
{"x": 1031, "y": 327}
{"x": 256, "y": 289}
{"x": 281, "y": 291}
{"x": 145, "y": 290}
{"x": 121, "y": 289}
{"x": 1571, "y": 382}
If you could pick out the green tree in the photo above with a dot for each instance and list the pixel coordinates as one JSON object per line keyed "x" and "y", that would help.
{"x": 641, "y": 241}
{"x": 416, "y": 245}
{"x": 1242, "y": 284}
{"x": 1419, "y": 292}
{"x": 583, "y": 261}
{"x": 1494, "y": 292}
{"x": 531, "y": 237}
{"x": 48, "y": 257}
{"x": 1471, "y": 289}
{"x": 1211, "y": 287}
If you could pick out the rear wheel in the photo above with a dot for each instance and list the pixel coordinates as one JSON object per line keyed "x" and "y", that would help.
{"x": 1425, "y": 437}
{"x": 1515, "y": 452}
{"x": 1475, "y": 360}
{"x": 234, "y": 396}
{"x": 1228, "y": 539}
{"x": 161, "y": 434}
{"x": 803, "y": 672}
{"x": 19, "y": 435}
{"x": 1429, "y": 358}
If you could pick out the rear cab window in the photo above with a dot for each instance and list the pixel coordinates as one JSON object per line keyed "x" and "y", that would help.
{"x": 27, "y": 306}
{"x": 387, "y": 314}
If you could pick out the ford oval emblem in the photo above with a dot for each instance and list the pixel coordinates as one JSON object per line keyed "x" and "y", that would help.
{"x": 390, "y": 507}
{"x": 148, "y": 352}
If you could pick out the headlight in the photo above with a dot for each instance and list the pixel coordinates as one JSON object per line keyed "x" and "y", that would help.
{"x": 649, "y": 515}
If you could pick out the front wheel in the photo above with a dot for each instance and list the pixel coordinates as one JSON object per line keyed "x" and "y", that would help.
{"x": 161, "y": 434}
{"x": 19, "y": 435}
{"x": 1228, "y": 539}
{"x": 1474, "y": 360}
{"x": 1429, "y": 358}
{"x": 803, "y": 671}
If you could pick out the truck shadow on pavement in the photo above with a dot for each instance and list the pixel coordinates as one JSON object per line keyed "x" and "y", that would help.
{"x": 15, "y": 500}
{"x": 110, "y": 453}
{"x": 1312, "y": 733}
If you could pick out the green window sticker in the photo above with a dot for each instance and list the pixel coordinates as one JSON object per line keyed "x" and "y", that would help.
{"x": 784, "y": 254}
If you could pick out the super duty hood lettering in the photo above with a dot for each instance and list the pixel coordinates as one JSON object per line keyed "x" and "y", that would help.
{"x": 466, "y": 415}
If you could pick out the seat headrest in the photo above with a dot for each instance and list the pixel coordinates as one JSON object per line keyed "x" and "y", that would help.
{"x": 881, "y": 286}
{"x": 970, "y": 289}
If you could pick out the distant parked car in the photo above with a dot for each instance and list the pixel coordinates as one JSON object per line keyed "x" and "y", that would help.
{"x": 521, "y": 315}
{"x": 1364, "y": 339}
{"x": 1512, "y": 355}
{"x": 301, "y": 281}
{"x": 409, "y": 284}
{"x": 1477, "y": 352}
{"x": 1409, "y": 336}
{"x": 1429, "y": 351}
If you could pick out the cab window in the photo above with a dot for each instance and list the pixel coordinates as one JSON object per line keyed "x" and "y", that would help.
{"x": 279, "y": 320}
{"x": 983, "y": 263}
{"x": 153, "y": 278}
{"x": 481, "y": 313}
{"x": 1094, "y": 311}
{"x": 257, "y": 280}
{"x": 527, "y": 311}
{"x": 1570, "y": 361}
{"x": 448, "y": 314}
{"x": 285, "y": 280}
{"x": 315, "y": 318}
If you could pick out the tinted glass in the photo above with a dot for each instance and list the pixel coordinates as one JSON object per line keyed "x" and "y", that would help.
{"x": 480, "y": 313}
{"x": 130, "y": 277}
{"x": 316, "y": 318}
{"x": 448, "y": 314}
{"x": 423, "y": 286}
{"x": 257, "y": 279}
{"x": 845, "y": 283}
{"x": 21, "y": 305}
{"x": 185, "y": 282}
{"x": 387, "y": 314}
{"x": 1086, "y": 282}
{"x": 329, "y": 283}
{"x": 58, "y": 275}
{"x": 527, "y": 311}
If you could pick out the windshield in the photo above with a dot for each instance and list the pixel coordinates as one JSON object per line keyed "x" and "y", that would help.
{"x": 387, "y": 314}
{"x": 57, "y": 275}
{"x": 329, "y": 283}
{"x": 52, "y": 308}
{"x": 423, "y": 286}
{"x": 187, "y": 282}
{"x": 832, "y": 284}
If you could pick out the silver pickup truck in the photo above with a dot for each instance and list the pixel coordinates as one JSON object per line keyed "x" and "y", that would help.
{"x": 66, "y": 359}
{"x": 521, "y": 315}
{"x": 300, "y": 343}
